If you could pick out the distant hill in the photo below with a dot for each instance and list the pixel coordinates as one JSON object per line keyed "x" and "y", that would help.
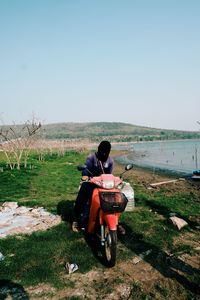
{"x": 114, "y": 131}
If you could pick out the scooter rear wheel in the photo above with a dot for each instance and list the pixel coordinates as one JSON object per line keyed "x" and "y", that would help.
{"x": 110, "y": 246}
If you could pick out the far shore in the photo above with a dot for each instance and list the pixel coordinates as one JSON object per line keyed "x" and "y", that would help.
{"x": 87, "y": 145}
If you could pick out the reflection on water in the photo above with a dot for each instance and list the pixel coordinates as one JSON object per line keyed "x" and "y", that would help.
{"x": 182, "y": 156}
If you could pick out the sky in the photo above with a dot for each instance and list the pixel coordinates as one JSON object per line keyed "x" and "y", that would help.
{"x": 132, "y": 61}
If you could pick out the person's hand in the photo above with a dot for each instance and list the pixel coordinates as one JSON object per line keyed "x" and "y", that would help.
{"x": 84, "y": 178}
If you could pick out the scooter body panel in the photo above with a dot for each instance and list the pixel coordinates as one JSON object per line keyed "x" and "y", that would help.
{"x": 111, "y": 219}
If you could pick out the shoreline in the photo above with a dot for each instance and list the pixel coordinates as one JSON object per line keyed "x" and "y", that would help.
{"x": 154, "y": 170}
{"x": 149, "y": 156}
{"x": 155, "y": 141}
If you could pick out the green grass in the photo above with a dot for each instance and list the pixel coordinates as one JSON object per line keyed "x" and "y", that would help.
{"x": 41, "y": 257}
{"x": 54, "y": 179}
{"x": 53, "y": 184}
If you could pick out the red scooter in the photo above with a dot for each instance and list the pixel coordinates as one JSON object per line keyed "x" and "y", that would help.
{"x": 107, "y": 203}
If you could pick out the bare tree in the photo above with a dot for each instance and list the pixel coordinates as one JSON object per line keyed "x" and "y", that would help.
{"x": 17, "y": 141}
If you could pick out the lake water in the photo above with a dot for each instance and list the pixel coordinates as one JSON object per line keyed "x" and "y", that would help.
{"x": 181, "y": 156}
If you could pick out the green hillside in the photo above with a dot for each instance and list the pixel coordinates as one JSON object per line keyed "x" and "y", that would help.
{"x": 115, "y": 131}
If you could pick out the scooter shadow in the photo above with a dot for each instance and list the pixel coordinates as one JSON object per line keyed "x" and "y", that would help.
{"x": 96, "y": 248}
{"x": 65, "y": 209}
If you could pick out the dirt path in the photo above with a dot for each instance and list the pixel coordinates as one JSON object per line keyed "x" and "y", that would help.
{"x": 125, "y": 281}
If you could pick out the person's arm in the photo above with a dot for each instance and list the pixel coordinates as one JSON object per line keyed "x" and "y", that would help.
{"x": 89, "y": 163}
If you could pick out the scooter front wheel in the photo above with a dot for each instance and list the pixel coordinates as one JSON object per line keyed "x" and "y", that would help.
{"x": 110, "y": 246}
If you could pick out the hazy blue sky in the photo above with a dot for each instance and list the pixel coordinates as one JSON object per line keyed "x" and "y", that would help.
{"x": 80, "y": 61}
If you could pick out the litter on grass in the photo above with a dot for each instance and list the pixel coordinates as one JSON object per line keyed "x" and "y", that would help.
{"x": 71, "y": 268}
{"x": 178, "y": 222}
{"x": 152, "y": 185}
{"x": 141, "y": 256}
{"x": 16, "y": 219}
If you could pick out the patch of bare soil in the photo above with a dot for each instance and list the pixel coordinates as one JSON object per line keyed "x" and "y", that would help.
{"x": 125, "y": 281}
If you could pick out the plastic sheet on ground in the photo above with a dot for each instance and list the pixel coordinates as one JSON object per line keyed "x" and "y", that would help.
{"x": 16, "y": 219}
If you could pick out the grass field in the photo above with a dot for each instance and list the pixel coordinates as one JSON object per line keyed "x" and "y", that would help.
{"x": 39, "y": 258}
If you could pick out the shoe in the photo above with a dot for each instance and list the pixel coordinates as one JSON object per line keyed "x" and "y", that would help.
{"x": 75, "y": 227}
{"x": 121, "y": 230}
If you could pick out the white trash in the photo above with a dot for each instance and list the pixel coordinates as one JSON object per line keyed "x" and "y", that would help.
{"x": 71, "y": 268}
{"x": 128, "y": 191}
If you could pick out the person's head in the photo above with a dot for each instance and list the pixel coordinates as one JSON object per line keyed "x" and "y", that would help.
{"x": 103, "y": 151}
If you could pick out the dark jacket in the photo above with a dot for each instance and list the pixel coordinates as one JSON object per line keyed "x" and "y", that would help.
{"x": 96, "y": 167}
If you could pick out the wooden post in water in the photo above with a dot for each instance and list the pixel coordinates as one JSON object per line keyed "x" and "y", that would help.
{"x": 196, "y": 162}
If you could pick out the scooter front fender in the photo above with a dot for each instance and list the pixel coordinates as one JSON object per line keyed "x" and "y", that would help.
{"x": 111, "y": 220}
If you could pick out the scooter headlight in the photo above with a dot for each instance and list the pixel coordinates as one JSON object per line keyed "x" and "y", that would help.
{"x": 108, "y": 184}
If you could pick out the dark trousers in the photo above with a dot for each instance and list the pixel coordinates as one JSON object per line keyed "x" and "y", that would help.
{"x": 83, "y": 199}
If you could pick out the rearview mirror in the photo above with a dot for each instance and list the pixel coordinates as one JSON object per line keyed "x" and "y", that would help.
{"x": 129, "y": 167}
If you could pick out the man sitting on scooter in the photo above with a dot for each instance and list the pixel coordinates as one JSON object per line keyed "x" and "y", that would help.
{"x": 96, "y": 164}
